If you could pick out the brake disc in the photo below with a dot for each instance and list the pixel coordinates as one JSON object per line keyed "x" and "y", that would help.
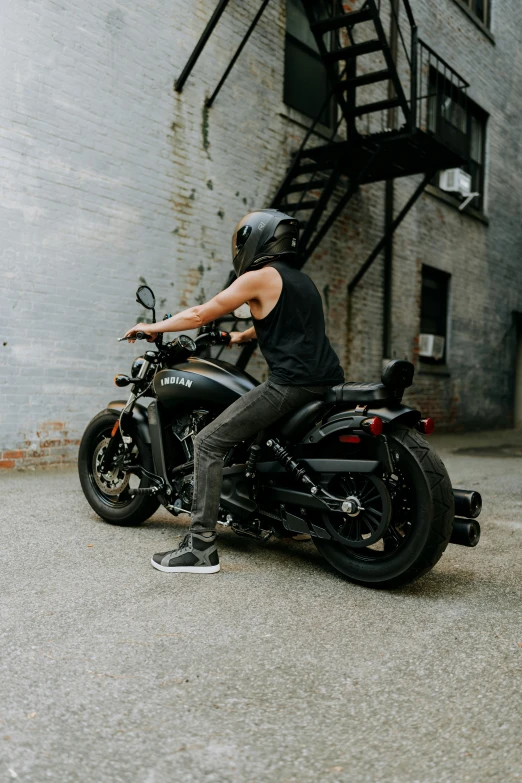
{"x": 112, "y": 482}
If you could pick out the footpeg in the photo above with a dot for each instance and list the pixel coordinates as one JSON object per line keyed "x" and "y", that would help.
{"x": 144, "y": 491}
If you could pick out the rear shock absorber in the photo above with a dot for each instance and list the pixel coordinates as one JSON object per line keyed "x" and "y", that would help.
{"x": 293, "y": 467}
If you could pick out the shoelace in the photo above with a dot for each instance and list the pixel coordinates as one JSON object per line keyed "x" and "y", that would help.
{"x": 186, "y": 545}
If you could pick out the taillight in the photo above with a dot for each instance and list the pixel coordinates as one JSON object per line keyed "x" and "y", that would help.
{"x": 349, "y": 439}
{"x": 426, "y": 426}
{"x": 373, "y": 425}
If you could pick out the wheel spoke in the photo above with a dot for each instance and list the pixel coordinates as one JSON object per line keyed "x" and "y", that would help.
{"x": 394, "y": 535}
{"x": 357, "y": 525}
{"x": 373, "y": 512}
{"x": 370, "y": 523}
{"x": 369, "y": 499}
{"x": 346, "y": 524}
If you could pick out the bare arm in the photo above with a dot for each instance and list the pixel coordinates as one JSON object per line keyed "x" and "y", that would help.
{"x": 244, "y": 288}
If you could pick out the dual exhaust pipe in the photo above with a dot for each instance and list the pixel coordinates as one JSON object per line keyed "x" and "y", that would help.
{"x": 466, "y": 529}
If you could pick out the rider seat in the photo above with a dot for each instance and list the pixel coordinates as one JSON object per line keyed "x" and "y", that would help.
{"x": 359, "y": 393}
{"x": 396, "y": 377}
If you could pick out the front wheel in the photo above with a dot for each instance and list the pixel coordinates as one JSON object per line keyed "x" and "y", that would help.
{"x": 410, "y": 522}
{"x": 109, "y": 493}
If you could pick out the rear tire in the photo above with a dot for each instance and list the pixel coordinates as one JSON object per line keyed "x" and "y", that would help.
{"x": 428, "y": 533}
{"x": 115, "y": 509}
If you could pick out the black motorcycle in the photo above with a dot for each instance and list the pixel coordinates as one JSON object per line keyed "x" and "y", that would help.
{"x": 354, "y": 470}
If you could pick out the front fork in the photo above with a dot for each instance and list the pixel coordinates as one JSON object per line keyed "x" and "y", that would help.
{"x": 118, "y": 435}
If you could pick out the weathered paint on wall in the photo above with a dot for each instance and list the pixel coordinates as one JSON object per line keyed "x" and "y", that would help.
{"x": 111, "y": 178}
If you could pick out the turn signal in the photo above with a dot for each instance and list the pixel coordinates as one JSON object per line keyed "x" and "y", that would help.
{"x": 426, "y": 426}
{"x": 122, "y": 380}
{"x": 373, "y": 425}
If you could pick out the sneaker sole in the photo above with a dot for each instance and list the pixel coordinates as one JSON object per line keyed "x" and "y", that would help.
{"x": 186, "y": 569}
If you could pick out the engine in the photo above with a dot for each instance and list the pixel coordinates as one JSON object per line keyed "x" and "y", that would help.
{"x": 185, "y": 430}
{"x": 187, "y": 427}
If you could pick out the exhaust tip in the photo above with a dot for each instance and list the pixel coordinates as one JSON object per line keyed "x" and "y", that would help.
{"x": 468, "y": 503}
{"x": 466, "y": 532}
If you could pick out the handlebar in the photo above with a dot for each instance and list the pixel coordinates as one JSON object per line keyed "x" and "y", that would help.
{"x": 135, "y": 336}
{"x": 213, "y": 337}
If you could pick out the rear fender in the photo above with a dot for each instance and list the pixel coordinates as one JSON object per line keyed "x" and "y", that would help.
{"x": 351, "y": 420}
{"x": 139, "y": 417}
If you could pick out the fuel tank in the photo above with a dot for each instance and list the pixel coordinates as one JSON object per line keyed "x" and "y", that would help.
{"x": 212, "y": 382}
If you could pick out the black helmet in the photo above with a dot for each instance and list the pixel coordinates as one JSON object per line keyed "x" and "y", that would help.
{"x": 261, "y": 236}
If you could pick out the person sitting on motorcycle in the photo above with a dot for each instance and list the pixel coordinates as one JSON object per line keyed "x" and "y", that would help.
{"x": 289, "y": 325}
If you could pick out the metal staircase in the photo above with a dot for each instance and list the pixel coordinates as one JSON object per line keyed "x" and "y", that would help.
{"x": 383, "y": 85}
{"x": 394, "y": 98}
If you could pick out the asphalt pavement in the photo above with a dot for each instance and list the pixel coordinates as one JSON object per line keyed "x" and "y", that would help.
{"x": 275, "y": 670}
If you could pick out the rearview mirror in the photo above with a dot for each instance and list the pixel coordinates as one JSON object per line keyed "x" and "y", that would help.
{"x": 145, "y": 296}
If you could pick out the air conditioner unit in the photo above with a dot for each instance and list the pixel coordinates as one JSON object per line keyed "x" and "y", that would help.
{"x": 431, "y": 345}
{"x": 455, "y": 181}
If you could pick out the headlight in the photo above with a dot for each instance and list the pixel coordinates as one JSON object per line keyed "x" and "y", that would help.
{"x": 136, "y": 366}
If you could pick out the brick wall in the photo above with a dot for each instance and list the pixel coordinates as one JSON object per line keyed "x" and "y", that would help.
{"x": 110, "y": 178}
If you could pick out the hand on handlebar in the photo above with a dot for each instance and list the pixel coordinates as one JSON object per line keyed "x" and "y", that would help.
{"x": 236, "y": 338}
{"x": 140, "y": 332}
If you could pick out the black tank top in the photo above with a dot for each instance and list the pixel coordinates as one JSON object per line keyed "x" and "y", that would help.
{"x": 292, "y": 336}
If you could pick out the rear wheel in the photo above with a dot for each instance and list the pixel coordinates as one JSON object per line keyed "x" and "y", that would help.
{"x": 406, "y": 523}
{"x": 108, "y": 493}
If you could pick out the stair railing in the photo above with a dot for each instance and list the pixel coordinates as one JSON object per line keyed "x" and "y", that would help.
{"x": 408, "y": 46}
{"x": 442, "y": 99}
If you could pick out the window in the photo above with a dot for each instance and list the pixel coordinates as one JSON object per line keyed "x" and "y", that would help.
{"x": 434, "y": 315}
{"x": 461, "y": 124}
{"x": 480, "y": 8}
{"x": 306, "y": 85}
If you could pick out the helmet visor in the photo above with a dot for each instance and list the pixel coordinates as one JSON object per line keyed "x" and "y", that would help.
{"x": 239, "y": 239}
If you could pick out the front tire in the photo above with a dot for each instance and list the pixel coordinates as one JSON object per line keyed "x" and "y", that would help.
{"x": 420, "y": 526}
{"x": 117, "y": 509}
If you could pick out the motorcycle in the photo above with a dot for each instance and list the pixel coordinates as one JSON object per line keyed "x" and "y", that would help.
{"x": 353, "y": 470}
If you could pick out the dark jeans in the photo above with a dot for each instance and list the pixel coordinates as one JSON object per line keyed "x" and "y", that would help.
{"x": 254, "y": 411}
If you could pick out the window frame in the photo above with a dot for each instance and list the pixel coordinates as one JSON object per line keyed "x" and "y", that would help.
{"x": 472, "y": 112}
{"x": 486, "y": 17}
{"x": 330, "y": 109}
{"x": 426, "y": 361}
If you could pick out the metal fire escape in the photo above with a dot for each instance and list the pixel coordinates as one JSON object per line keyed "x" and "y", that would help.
{"x": 386, "y": 85}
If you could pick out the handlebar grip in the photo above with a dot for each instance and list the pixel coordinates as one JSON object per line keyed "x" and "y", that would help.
{"x": 223, "y": 338}
{"x": 135, "y": 336}
{"x": 213, "y": 337}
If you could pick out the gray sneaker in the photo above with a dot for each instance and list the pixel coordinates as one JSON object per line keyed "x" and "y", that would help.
{"x": 196, "y": 554}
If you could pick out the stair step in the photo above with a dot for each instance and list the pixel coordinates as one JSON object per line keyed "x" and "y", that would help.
{"x": 300, "y": 186}
{"x": 349, "y": 52}
{"x": 312, "y": 168}
{"x": 344, "y": 20}
{"x": 369, "y": 108}
{"x": 296, "y": 207}
{"x": 365, "y": 78}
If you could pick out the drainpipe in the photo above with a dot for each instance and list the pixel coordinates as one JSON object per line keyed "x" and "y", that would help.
{"x": 389, "y": 204}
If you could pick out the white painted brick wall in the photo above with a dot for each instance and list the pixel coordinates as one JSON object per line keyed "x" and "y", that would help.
{"x": 108, "y": 176}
